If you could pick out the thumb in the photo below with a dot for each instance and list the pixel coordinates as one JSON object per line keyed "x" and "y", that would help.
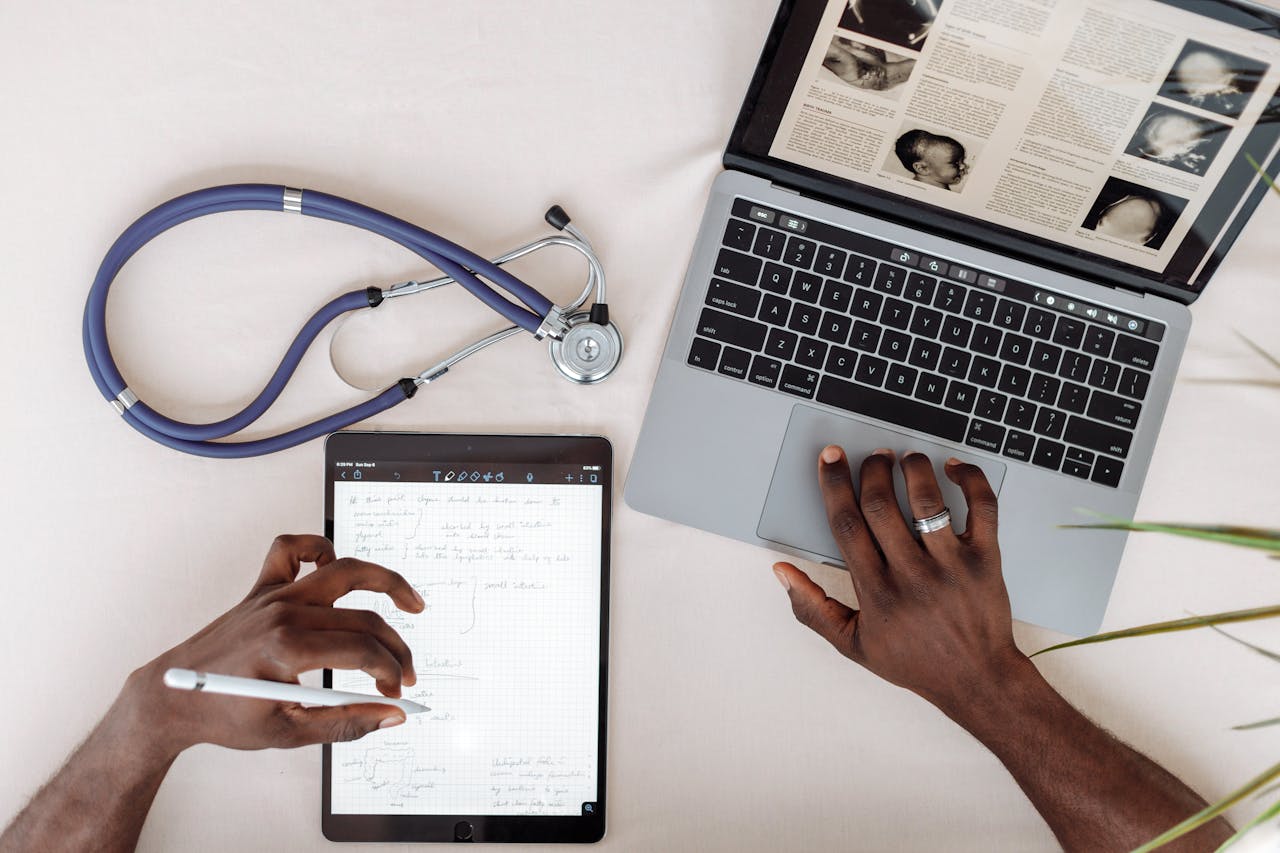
{"x": 812, "y": 607}
{"x": 342, "y": 723}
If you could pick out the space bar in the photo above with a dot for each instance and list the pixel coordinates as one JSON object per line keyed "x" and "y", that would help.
{"x": 892, "y": 408}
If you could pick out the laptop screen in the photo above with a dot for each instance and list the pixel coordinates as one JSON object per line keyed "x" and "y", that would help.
{"x": 1110, "y": 139}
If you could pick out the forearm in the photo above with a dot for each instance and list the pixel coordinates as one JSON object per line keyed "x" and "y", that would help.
{"x": 1096, "y": 793}
{"x": 100, "y": 798}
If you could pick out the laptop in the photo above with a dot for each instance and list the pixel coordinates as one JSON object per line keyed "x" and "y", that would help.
{"x": 970, "y": 230}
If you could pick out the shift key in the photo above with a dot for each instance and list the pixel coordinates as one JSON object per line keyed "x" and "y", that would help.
{"x": 738, "y": 331}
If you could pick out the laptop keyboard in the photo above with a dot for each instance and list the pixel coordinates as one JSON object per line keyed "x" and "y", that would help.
{"x": 834, "y": 316}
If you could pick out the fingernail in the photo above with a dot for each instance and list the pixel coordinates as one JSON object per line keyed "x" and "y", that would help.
{"x": 782, "y": 579}
{"x": 831, "y": 454}
{"x": 418, "y": 598}
{"x": 952, "y": 461}
{"x": 390, "y": 721}
{"x": 882, "y": 451}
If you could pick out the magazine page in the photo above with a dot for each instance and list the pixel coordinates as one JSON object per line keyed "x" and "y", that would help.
{"x": 1101, "y": 126}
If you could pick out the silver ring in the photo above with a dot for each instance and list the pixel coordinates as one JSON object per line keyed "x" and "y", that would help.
{"x": 933, "y": 523}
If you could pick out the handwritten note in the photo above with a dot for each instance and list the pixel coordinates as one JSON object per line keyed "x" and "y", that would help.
{"x": 506, "y": 651}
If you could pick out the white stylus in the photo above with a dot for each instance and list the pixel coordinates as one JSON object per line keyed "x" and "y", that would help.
{"x": 253, "y": 688}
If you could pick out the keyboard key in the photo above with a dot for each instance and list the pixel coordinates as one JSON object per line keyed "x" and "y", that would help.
{"x": 860, "y": 270}
{"x": 776, "y": 278}
{"x": 1039, "y": 324}
{"x": 979, "y": 305}
{"x": 1104, "y": 375}
{"x": 1015, "y": 348}
{"x": 1074, "y": 398}
{"x": 733, "y": 297}
{"x": 990, "y": 405}
{"x": 1133, "y": 383}
{"x": 1075, "y": 454}
{"x": 985, "y": 435}
{"x": 864, "y": 336}
{"x": 781, "y": 345}
{"x": 1045, "y": 357}
{"x": 931, "y": 388}
{"x": 960, "y": 397}
{"x": 1044, "y": 389}
{"x": 964, "y": 274}
{"x": 933, "y": 265}
{"x": 896, "y": 314}
{"x": 1049, "y": 422}
{"x": 920, "y": 288}
{"x": 901, "y": 379}
{"x": 891, "y": 408}
{"x": 955, "y": 331}
{"x": 1048, "y": 454}
{"x": 1114, "y": 410}
{"x": 1135, "y": 352}
{"x": 799, "y": 381}
{"x": 867, "y": 304}
{"x": 775, "y": 310}
{"x": 836, "y": 295}
{"x": 769, "y": 244}
{"x": 1097, "y": 341}
{"x": 1075, "y": 366}
{"x": 986, "y": 340}
{"x": 1107, "y": 471}
{"x": 735, "y": 362}
{"x": 926, "y": 322}
{"x": 704, "y": 353}
{"x": 925, "y": 354}
{"x": 984, "y": 371}
{"x": 895, "y": 345}
{"x": 1014, "y": 380}
{"x": 1068, "y": 332}
{"x": 835, "y": 327}
{"x": 828, "y": 261}
{"x": 955, "y": 362}
{"x": 1020, "y": 414}
{"x": 806, "y": 286}
{"x": 1075, "y": 469}
{"x": 890, "y": 279}
{"x": 729, "y": 329}
{"x": 904, "y": 256}
{"x": 738, "y": 267}
{"x": 950, "y": 297}
{"x": 840, "y": 361}
{"x": 799, "y": 252}
{"x": 811, "y": 353}
{"x": 870, "y": 370}
{"x": 804, "y": 318}
{"x": 1009, "y": 314}
{"x": 765, "y": 371}
{"x": 1018, "y": 445}
{"x": 739, "y": 235}
{"x": 1099, "y": 437}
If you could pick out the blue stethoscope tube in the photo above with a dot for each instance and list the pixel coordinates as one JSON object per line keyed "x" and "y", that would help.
{"x": 453, "y": 260}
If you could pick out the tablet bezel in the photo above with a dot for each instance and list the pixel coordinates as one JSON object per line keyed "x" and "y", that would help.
{"x": 509, "y": 449}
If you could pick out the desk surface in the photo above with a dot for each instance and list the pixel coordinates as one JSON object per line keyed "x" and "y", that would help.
{"x": 731, "y": 727}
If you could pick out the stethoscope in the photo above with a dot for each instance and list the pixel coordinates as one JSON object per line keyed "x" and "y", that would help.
{"x": 585, "y": 346}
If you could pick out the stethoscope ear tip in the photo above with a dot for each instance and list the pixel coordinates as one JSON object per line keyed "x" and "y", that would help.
{"x": 589, "y": 352}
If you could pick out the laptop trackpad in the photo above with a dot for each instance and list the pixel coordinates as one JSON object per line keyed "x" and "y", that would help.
{"x": 793, "y": 512}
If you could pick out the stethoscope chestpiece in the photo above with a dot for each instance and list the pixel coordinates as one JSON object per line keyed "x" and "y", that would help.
{"x": 589, "y": 351}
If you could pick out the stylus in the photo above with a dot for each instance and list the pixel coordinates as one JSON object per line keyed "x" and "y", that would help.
{"x": 253, "y": 688}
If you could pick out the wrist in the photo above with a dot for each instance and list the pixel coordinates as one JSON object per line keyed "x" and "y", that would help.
{"x": 140, "y": 718}
{"x": 1010, "y": 687}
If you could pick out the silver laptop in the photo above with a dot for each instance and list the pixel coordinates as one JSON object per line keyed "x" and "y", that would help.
{"x": 969, "y": 236}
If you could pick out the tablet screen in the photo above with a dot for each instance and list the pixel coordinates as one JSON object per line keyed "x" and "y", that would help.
{"x": 507, "y": 556}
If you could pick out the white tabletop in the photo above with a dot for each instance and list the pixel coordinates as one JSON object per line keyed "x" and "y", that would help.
{"x": 730, "y": 726}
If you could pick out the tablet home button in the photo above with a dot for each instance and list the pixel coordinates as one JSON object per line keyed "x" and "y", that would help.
{"x": 462, "y": 831}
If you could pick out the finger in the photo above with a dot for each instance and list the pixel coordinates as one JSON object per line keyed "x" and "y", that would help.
{"x": 879, "y": 505}
{"x": 286, "y": 556}
{"x": 813, "y": 608}
{"x": 291, "y": 650}
{"x": 925, "y": 499}
{"x": 329, "y": 583}
{"x": 356, "y": 622}
{"x": 981, "y": 501}
{"x": 344, "y": 723}
{"x": 847, "y": 524}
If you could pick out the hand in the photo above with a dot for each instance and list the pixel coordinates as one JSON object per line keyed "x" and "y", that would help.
{"x": 282, "y": 628}
{"x": 934, "y": 614}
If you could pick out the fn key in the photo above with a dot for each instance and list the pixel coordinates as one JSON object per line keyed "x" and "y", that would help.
{"x": 704, "y": 353}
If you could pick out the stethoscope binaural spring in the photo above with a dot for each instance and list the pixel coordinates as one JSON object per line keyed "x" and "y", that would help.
{"x": 585, "y": 345}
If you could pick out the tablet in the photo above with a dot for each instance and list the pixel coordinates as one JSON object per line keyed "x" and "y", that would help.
{"x": 507, "y": 539}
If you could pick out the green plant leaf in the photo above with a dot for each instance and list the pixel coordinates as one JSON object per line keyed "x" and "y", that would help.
{"x": 1261, "y": 724}
{"x": 1266, "y": 653}
{"x": 1187, "y": 624}
{"x": 1245, "y": 537}
{"x": 1208, "y": 813}
{"x": 1267, "y": 814}
{"x": 1261, "y": 172}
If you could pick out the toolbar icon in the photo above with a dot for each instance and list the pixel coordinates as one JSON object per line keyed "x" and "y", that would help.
{"x": 356, "y": 475}
{"x": 1133, "y": 325}
{"x": 528, "y": 478}
{"x": 1091, "y": 313}
{"x": 437, "y": 474}
{"x": 475, "y": 475}
{"x": 499, "y": 477}
{"x": 1113, "y": 319}
{"x": 462, "y": 476}
{"x": 448, "y": 477}
{"x": 488, "y": 475}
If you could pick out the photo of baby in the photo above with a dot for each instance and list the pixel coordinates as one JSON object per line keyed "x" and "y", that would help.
{"x": 930, "y": 158}
{"x": 1133, "y": 213}
{"x": 864, "y": 67}
{"x": 905, "y": 23}
{"x": 1213, "y": 79}
{"x": 1175, "y": 138}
